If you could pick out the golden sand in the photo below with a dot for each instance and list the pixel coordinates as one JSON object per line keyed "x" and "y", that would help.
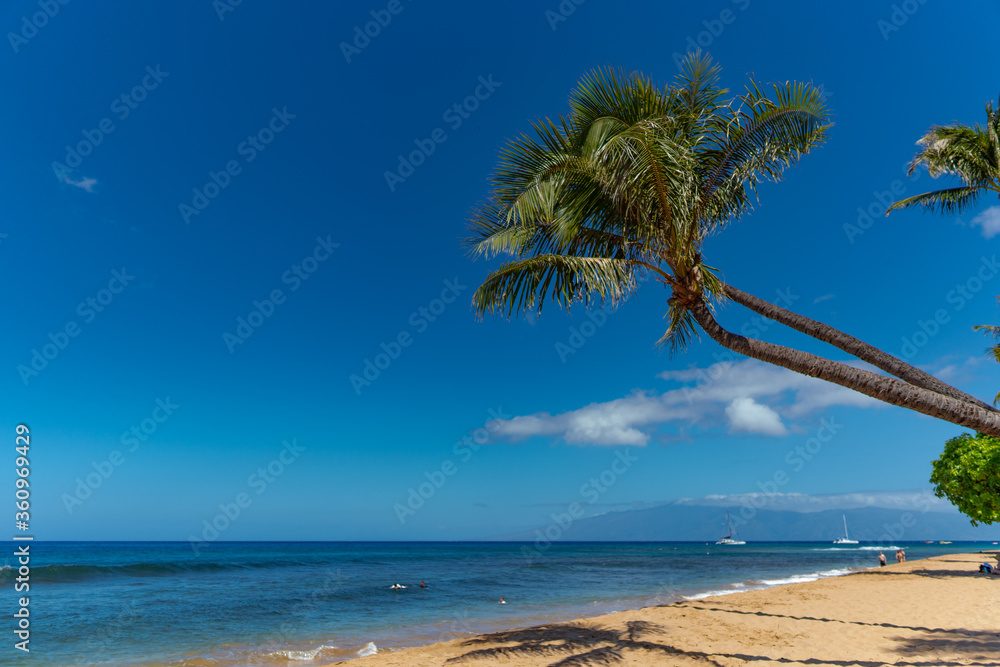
{"x": 934, "y": 612}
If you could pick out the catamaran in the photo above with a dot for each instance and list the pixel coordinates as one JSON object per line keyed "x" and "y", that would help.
{"x": 731, "y": 537}
{"x": 845, "y": 539}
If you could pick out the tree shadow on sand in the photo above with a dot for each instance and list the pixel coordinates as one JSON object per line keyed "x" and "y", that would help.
{"x": 982, "y": 646}
{"x": 915, "y": 628}
{"x": 927, "y": 572}
{"x": 572, "y": 645}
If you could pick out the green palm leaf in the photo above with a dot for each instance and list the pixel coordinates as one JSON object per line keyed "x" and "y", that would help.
{"x": 524, "y": 285}
{"x": 970, "y": 154}
{"x": 629, "y": 184}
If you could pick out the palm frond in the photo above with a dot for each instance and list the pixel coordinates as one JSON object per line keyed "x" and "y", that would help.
{"x": 956, "y": 150}
{"x": 630, "y": 182}
{"x": 989, "y": 329}
{"x": 525, "y": 285}
{"x": 971, "y": 154}
{"x": 698, "y": 91}
{"x": 763, "y": 138}
{"x": 950, "y": 201}
{"x": 681, "y": 330}
{"x": 681, "y": 327}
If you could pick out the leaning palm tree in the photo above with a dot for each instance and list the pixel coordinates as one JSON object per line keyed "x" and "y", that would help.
{"x": 970, "y": 154}
{"x": 629, "y": 186}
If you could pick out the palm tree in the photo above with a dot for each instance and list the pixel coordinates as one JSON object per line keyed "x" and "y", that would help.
{"x": 994, "y": 331}
{"x": 972, "y": 154}
{"x": 631, "y": 183}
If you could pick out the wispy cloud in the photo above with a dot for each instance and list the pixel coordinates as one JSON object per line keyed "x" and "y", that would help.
{"x": 747, "y": 396}
{"x": 84, "y": 183}
{"x": 825, "y": 297}
{"x": 989, "y": 220}
{"x": 958, "y": 371}
{"x": 921, "y": 500}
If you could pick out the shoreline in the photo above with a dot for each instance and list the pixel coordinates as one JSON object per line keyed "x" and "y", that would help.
{"x": 932, "y": 611}
{"x": 422, "y": 635}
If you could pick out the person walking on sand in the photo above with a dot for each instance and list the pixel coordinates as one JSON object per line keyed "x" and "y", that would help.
{"x": 881, "y": 559}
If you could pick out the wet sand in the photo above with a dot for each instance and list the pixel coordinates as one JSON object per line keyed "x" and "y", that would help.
{"x": 934, "y": 612}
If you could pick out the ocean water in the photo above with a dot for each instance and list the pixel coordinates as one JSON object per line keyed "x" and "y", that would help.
{"x": 310, "y": 603}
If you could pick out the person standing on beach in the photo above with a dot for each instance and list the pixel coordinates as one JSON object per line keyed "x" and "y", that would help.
{"x": 881, "y": 559}
{"x": 902, "y": 556}
{"x": 899, "y": 555}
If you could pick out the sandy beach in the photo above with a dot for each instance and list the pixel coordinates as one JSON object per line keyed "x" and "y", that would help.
{"x": 933, "y": 612}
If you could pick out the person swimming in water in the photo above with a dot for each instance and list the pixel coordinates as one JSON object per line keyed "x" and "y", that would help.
{"x": 502, "y": 601}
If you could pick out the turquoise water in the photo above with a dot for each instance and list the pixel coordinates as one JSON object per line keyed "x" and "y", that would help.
{"x": 302, "y": 603}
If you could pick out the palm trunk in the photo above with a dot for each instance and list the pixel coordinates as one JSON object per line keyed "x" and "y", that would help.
{"x": 852, "y": 346}
{"x": 885, "y": 389}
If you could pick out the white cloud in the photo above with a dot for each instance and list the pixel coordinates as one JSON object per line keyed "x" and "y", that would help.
{"x": 612, "y": 423}
{"x": 84, "y": 183}
{"x": 749, "y": 416}
{"x": 820, "y": 299}
{"x": 756, "y": 397}
{"x": 989, "y": 220}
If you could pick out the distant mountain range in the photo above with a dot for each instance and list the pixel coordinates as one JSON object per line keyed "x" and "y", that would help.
{"x": 675, "y": 522}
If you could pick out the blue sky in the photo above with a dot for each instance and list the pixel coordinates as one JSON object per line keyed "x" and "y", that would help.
{"x": 247, "y": 163}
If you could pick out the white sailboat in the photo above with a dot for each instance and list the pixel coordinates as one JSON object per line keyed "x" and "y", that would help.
{"x": 846, "y": 538}
{"x": 731, "y": 537}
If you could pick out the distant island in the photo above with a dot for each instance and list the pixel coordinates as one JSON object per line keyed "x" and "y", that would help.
{"x": 676, "y": 522}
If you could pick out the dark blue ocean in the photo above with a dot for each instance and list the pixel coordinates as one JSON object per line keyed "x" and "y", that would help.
{"x": 302, "y": 603}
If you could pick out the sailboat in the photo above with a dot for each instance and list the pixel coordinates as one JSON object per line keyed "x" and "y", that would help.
{"x": 845, "y": 539}
{"x": 730, "y": 538}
